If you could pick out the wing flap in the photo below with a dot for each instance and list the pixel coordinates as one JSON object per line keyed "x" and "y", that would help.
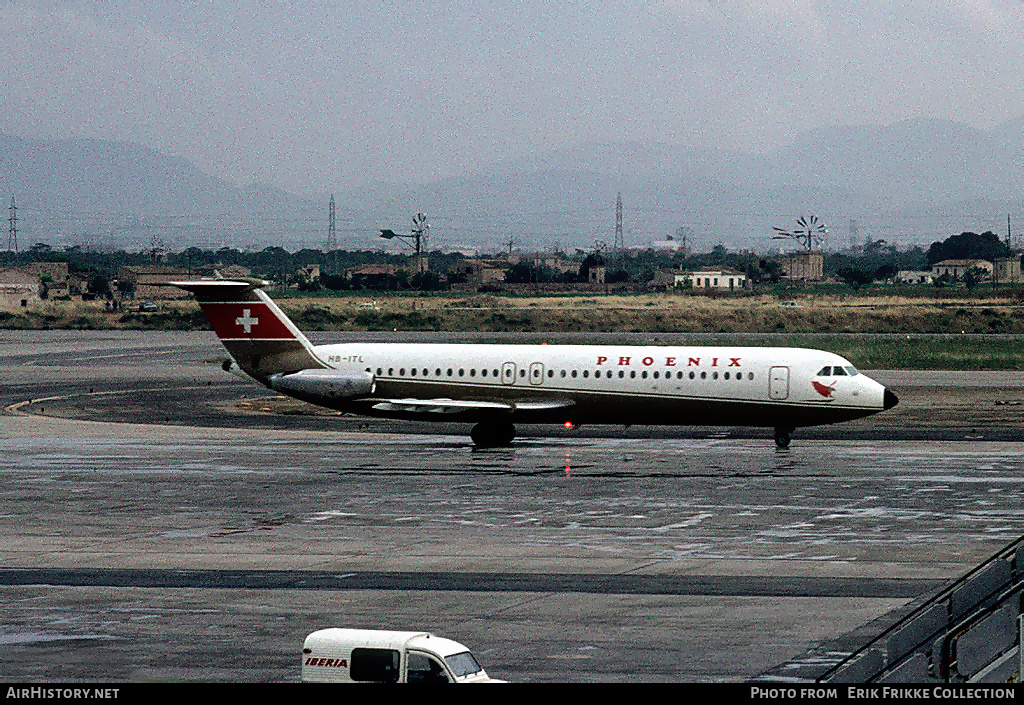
{"x": 455, "y": 406}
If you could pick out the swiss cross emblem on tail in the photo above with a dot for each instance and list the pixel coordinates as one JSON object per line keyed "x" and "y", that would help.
{"x": 247, "y": 321}
{"x": 252, "y": 320}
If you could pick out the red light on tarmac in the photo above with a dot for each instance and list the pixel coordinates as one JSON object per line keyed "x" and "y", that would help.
{"x": 569, "y": 425}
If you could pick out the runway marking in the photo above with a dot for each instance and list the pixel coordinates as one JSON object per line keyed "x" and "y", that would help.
{"x": 620, "y": 584}
{"x": 16, "y": 407}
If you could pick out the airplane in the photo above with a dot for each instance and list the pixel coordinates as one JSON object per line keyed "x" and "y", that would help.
{"x": 495, "y": 386}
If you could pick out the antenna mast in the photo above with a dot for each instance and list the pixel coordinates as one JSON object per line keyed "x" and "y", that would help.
{"x": 619, "y": 245}
{"x": 332, "y": 238}
{"x": 12, "y": 227}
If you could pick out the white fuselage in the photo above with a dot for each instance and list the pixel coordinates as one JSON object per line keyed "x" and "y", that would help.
{"x": 619, "y": 384}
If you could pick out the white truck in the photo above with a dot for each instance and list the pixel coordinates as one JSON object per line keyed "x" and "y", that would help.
{"x": 372, "y": 656}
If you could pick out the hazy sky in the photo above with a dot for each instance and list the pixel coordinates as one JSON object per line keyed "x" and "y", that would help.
{"x": 316, "y": 96}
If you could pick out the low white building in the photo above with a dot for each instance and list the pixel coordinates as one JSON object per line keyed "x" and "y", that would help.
{"x": 723, "y": 279}
{"x": 956, "y": 268}
{"x": 907, "y": 276}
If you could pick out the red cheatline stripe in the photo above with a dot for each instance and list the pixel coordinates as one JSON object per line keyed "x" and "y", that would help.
{"x": 247, "y": 320}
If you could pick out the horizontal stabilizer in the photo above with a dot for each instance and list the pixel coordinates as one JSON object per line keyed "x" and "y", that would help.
{"x": 256, "y": 333}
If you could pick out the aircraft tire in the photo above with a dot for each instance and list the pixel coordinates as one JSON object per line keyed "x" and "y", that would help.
{"x": 782, "y": 438}
{"x": 493, "y": 434}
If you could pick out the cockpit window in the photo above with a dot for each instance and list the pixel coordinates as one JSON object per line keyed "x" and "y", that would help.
{"x": 837, "y": 371}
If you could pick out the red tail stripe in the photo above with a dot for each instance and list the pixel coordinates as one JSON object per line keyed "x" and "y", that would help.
{"x": 246, "y": 320}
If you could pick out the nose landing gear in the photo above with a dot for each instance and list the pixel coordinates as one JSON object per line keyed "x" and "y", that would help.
{"x": 782, "y": 436}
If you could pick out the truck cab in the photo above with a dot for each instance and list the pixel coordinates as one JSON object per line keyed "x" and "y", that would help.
{"x": 375, "y": 656}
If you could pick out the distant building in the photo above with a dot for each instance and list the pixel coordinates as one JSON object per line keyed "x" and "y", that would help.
{"x": 480, "y": 272}
{"x": 310, "y": 273}
{"x": 54, "y": 278}
{"x": 372, "y": 276}
{"x": 723, "y": 279}
{"x": 907, "y": 276}
{"x": 554, "y": 263}
{"x": 597, "y": 274}
{"x": 19, "y": 288}
{"x": 807, "y": 265}
{"x": 956, "y": 268}
{"x": 145, "y": 282}
{"x": 1006, "y": 270}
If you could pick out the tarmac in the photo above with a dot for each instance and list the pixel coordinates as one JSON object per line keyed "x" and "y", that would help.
{"x": 166, "y": 521}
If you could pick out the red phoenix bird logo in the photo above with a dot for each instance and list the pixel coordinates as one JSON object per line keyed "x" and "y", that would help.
{"x": 824, "y": 390}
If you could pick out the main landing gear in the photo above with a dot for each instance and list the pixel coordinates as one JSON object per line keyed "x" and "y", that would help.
{"x": 493, "y": 434}
{"x": 782, "y": 436}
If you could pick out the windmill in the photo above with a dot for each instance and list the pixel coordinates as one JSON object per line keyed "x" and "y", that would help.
{"x": 810, "y": 232}
{"x": 419, "y": 238}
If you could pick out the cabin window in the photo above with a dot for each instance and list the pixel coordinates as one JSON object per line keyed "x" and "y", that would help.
{"x": 692, "y": 374}
{"x": 551, "y": 373}
{"x": 703, "y": 375}
{"x": 450, "y": 371}
{"x": 574, "y": 373}
{"x": 379, "y": 372}
{"x": 437, "y": 372}
{"x": 562, "y": 373}
{"x": 644, "y": 374}
{"x": 522, "y": 372}
{"x": 657, "y": 375}
{"x": 622, "y": 374}
{"x": 494, "y": 372}
{"x": 726, "y": 375}
{"x": 679, "y": 374}
{"x": 425, "y": 372}
{"x": 586, "y": 373}
{"x": 375, "y": 665}
{"x": 483, "y": 372}
{"x": 472, "y": 372}
{"x": 838, "y": 371}
{"x": 402, "y": 372}
{"x": 412, "y": 372}
{"x": 632, "y": 374}
{"x": 825, "y": 372}
{"x": 750, "y": 375}
{"x": 714, "y": 375}
{"x": 391, "y": 372}
{"x": 462, "y": 372}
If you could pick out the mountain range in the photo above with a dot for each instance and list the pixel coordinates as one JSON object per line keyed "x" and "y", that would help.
{"x": 913, "y": 181}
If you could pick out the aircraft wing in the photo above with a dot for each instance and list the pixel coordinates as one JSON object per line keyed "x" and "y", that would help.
{"x": 456, "y": 406}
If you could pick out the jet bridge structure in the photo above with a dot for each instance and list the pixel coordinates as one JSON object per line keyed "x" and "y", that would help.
{"x": 971, "y": 632}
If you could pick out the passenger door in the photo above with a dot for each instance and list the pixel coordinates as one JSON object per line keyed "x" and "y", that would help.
{"x": 425, "y": 668}
{"x": 778, "y": 383}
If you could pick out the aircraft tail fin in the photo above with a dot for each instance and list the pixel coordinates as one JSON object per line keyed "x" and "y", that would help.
{"x": 257, "y": 334}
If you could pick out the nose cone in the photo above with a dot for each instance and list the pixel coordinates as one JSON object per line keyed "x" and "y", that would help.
{"x": 889, "y": 400}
